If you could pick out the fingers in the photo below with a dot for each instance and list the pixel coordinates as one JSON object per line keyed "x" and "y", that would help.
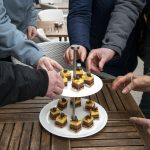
{"x": 140, "y": 121}
{"x": 56, "y": 65}
{"x": 102, "y": 63}
{"x": 122, "y": 81}
{"x": 82, "y": 54}
{"x": 69, "y": 56}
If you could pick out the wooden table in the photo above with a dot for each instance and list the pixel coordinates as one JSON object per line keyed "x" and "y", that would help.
{"x": 20, "y": 127}
{"x": 52, "y": 31}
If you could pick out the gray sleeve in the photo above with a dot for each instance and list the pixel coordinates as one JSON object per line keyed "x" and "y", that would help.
{"x": 31, "y": 16}
{"x": 14, "y": 43}
{"x": 121, "y": 24}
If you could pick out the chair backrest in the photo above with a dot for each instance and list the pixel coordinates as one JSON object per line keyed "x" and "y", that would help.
{"x": 51, "y": 15}
{"x": 54, "y": 50}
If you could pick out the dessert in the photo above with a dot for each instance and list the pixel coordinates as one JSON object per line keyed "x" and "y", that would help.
{"x": 89, "y": 104}
{"x": 66, "y": 73}
{"x": 61, "y": 120}
{"x": 94, "y": 112}
{"x": 75, "y": 124}
{"x": 54, "y": 112}
{"x": 62, "y": 103}
{"x": 65, "y": 81}
{"x": 87, "y": 121}
{"x": 88, "y": 79}
{"x": 77, "y": 83}
{"x": 77, "y": 101}
{"x": 79, "y": 70}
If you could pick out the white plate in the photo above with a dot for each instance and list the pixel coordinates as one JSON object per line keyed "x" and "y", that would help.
{"x": 86, "y": 91}
{"x": 50, "y": 126}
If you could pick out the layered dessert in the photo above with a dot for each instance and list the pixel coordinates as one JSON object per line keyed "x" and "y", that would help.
{"x": 62, "y": 103}
{"x": 66, "y": 73}
{"x": 94, "y": 112}
{"x": 77, "y": 102}
{"x": 61, "y": 120}
{"x": 54, "y": 112}
{"x": 89, "y": 104}
{"x": 87, "y": 121}
{"x": 65, "y": 81}
{"x": 88, "y": 79}
{"x": 79, "y": 70}
{"x": 77, "y": 83}
{"x": 75, "y": 124}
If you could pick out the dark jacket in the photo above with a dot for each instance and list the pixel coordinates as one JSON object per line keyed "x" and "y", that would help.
{"x": 19, "y": 83}
{"x": 106, "y": 23}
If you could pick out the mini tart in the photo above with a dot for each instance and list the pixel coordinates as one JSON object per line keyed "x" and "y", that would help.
{"x": 75, "y": 124}
{"x": 87, "y": 121}
{"x": 66, "y": 73}
{"x": 88, "y": 79}
{"x": 77, "y": 83}
{"x": 65, "y": 81}
{"x": 62, "y": 103}
{"x": 61, "y": 120}
{"x": 54, "y": 112}
{"x": 94, "y": 112}
{"x": 77, "y": 102}
{"x": 89, "y": 104}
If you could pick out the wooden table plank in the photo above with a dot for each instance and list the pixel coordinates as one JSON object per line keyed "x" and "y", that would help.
{"x": 60, "y": 143}
{"x": 45, "y": 140}
{"x": 36, "y": 136}
{"x": 113, "y": 148}
{"x": 5, "y": 138}
{"x": 102, "y": 143}
{"x": 1, "y": 129}
{"x": 16, "y": 135}
{"x": 26, "y": 136}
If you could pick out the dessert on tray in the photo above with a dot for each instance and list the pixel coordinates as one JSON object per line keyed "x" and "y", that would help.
{"x": 65, "y": 81}
{"x": 89, "y": 104}
{"x": 66, "y": 73}
{"x": 75, "y": 124}
{"x": 61, "y": 120}
{"x": 94, "y": 112}
{"x": 77, "y": 83}
{"x": 54, "y": 112}
{"x": 87, "y": 121}
{"x": 77, "y": 102}
{"x": 79, "y": 70}
{"x": 88, "y": 79}
{"x": 62, "y": 103}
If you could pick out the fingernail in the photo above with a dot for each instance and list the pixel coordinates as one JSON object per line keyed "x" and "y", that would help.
{"x": 124, "y": 91}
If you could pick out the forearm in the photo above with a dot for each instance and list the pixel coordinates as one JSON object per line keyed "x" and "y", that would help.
{"x": 19, "y": 83}
{"x": 13, "y": 42}
{"x": 79, "y": 20}
{"x": 121, "y": 24}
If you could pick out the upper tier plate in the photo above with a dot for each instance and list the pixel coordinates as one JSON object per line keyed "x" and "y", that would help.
{"x": 86, "y": 91}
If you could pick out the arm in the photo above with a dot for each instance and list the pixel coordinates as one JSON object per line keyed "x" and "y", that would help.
{"x": 14, "y": 43}
{"x": 79, "y": 20}
{"x": 122, "y": 22}
{"x": 19, "y": 83}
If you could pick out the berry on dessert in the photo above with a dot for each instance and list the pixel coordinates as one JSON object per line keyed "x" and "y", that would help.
{"x": 87, "y": 121}
{"x": 88, "y": 79}
{"x": 77, "y": 83}
{"x": 94, "y": 112}
{"x": 89, "y": 104}
{"x": 61, "y": 120}
{"x": 62, "y": 103}
{"x": 54, "y": 112}
{"x": 75, "y": 124}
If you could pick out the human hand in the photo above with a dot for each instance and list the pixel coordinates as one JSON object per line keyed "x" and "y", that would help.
{"x": 81, "y": 54}
{"x": 131, "y": 82}
{"x": 31, "y": 32}
{"x": 145, "y": 123}
{"x": 97, "y": 59}
{"x": 48, "y": 64}
{"x": 55, "y": 85}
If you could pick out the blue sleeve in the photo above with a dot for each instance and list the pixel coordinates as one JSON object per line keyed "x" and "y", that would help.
{"x": 31, "y": 16}
{"x": 13, "y": 41}
{"x": 79, "y": 20}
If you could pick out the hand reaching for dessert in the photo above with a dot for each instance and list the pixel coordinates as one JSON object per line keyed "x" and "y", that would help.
{"x": 31, "y": 32}
{"x": 132, "y": 82}
{"x": 48, "y": 64}
{"x": 97, "y": 59}
{"x": 81, "y": 54}
{"x": 55, "y": 85}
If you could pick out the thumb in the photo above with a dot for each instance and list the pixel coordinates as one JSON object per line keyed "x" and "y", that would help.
{"x": 83, "y": 55}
